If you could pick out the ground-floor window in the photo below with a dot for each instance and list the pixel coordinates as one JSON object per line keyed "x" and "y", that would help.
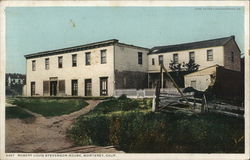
{"x": 74, "y": 87}
{"x": 103, "y": 86}
{"x": 88, "y": 87}
{"x": 33, "y": 88}
{"x": 193, "y": 84}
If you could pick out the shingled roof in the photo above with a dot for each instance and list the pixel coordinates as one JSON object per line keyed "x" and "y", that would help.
{"x": 192, "y": 45}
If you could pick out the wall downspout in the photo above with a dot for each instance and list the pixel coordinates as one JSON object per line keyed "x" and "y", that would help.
{"x": 114, "y": 82}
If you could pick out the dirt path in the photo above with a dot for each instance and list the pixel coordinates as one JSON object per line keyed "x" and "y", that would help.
{"x": 44, "y": 134}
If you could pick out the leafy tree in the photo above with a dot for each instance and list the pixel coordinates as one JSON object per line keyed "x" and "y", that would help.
{"x": 180, "y": 69}
{"x": 191, "y": 66}
{"x": 175, "y": 67}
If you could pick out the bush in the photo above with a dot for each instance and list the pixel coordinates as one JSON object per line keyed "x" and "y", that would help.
{"x": 134, "y": 129}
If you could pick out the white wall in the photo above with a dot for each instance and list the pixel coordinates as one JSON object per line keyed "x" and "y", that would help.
{"x": 126, "y": 58}
{"x": 67, "y": 73}
{"x": 202, "y": 82}
{"x": 183, "y": 56}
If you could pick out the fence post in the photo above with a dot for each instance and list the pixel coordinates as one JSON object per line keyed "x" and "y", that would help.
{"x": 204, "y": 103}
{"x": 153, "y": 105}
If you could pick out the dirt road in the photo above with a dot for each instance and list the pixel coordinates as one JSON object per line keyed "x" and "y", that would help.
{"x": 42, "y": 134}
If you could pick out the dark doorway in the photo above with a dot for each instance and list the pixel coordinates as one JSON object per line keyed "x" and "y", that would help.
{"x": 74, "y": 87}
{"x": 104, "y": 86}
{"x": 53, "y": 88}
{"x": 88, "y": 87}
{"x": 33, "y": 88}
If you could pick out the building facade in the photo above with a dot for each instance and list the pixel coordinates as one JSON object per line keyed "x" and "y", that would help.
{"x": 89, "y": 70}
{"x": 223, "y": 52}
{"x": 98, "y": 69}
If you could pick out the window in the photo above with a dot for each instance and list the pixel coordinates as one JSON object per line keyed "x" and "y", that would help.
{"x": 60, "y": 62}
{"x": 33, "y": 65}
{"x": 193, "y": 84}
{"x": 61, "y": 86}
{"x": 232, "y": 56}
{"x": 103, "y": 56}
{"x": 139, "y": 57}
{"x": 74, "y": 60}
{"x": 153, "y": 61}
{"x": 87, "y": 58}
{"x": 210, "y": 55}
{"x": 191, "y": 56}
{"x": 175, "y": 58}
{"x": 46, "y": 63}
{"x": 45, "y": 87}
{"x": 88, "y": 87}
{"x": 160, "y": 58}
{"x": 103, "y": 86}
{"x": 74, "y": 87}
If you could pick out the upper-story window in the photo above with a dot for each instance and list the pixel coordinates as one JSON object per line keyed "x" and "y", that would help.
{"x": 210, "y": 55}
{"x": 160, "y": 58}
{"x": 33, "y": 65}
{"x": 139, "y": 57}
{"x": 232, "y": 56}
{"x": 46, "y": 63}
{"x": 87, "y": 58}
{"x": 103, "y": 56}
{"x": 175, "y": 58}
{"x": 191, "y": 56}
{"x": 60, "y": 62}
{"x": 74, "y": 60}
{"x": 153, "y": 61}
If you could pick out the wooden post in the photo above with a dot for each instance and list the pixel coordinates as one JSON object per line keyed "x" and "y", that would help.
{"x": 161, "y": 79}
{"x": 157, "y": 94}
{"x": 176, "y": 86}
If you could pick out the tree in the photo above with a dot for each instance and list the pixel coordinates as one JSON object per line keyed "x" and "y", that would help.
{"x": 180, "y": 69}
{"x": 191, "y": 66}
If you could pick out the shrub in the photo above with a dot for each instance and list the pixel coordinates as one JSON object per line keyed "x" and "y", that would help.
{"x": 129, "y": 125}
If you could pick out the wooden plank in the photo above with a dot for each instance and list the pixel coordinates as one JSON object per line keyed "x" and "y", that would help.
{"x": 227, "y": 113}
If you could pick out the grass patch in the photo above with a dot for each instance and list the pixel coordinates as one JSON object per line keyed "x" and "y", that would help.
{"x": 132, "y": 127}
{"x": 50, "y": 107}
{"x": 16, "y": 112}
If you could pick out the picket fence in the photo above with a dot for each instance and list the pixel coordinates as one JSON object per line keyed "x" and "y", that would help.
{"x": 142, "y": 93}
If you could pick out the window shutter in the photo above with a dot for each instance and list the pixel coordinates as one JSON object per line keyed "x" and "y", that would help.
{"x": 62, "y": 86}
{"x": 45, "y": 87}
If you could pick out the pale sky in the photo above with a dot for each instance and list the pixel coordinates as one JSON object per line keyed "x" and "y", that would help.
{"x": 36, "y": 29}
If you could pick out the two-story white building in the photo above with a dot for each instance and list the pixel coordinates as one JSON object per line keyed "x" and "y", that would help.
{"x": 98, "y": 69}
{"x": 94, "y": 69}
{"x": 215, "y": 52}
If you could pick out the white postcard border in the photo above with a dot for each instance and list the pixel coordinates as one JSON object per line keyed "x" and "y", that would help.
{"x": 5, "y": 4}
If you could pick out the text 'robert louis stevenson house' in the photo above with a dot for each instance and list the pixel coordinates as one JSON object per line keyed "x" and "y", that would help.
{"x": 98, "y": 69}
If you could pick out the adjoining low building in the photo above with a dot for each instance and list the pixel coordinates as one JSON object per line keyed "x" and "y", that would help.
{"x": 94, "y": 69}
{"x": 225, "y": 83}
{"x": 201, "y": 79}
